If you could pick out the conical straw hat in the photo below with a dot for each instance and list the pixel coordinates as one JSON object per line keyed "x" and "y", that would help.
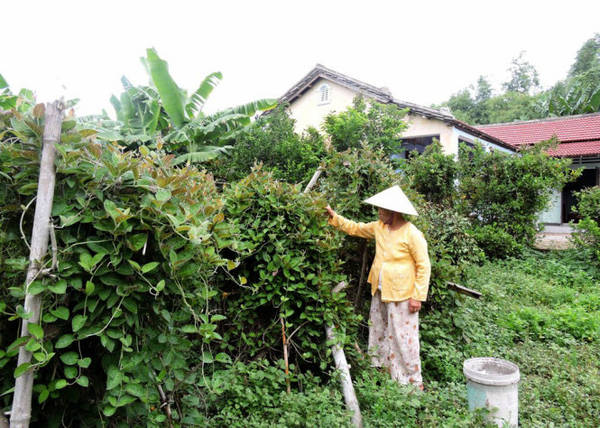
{"x": 393, "y": 199}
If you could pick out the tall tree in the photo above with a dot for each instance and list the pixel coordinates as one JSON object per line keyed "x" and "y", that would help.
{"x": 587, "y": 58}
{"x": 524, "y": 76}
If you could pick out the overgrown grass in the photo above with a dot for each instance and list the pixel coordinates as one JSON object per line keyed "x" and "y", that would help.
{"x": 541, "y": 311}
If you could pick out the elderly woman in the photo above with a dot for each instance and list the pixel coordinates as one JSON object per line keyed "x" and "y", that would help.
{"x": 399, "y": 279}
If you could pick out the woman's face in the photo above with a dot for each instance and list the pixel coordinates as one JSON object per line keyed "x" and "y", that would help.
{"x": 386, "y": 216}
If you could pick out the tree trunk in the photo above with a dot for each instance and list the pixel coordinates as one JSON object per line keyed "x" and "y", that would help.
{"x": 342, "y": 365}
{"x": 21, "y": 406}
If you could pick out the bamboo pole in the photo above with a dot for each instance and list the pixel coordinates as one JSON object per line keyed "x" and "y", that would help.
{"x": 21, "y": 406}
{"x": 314, "y": 179}
{"x": 342, "y": 365}
{"x": 338, "y": 352}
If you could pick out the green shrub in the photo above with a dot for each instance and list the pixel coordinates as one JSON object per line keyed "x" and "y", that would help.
{"x": 495, "y": 241}
{"x": 253, "y": 395}
{"x": 378, "y": 126}
{"x": 587, "y": 236}
{"x": 433, "y": 174}
{"x": 507, "y": 191}
{"x": 271, "y": 140}
{"x": 129, "y": 307}
{"x": 286, "y": 268}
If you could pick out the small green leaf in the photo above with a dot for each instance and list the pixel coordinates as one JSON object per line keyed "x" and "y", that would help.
{"x": 89, "y": 287}
{"x": 60, "y": 384}
{"x": 78, "y": 322}
{"x": 60, "y": 312}
{"x": 149, "y": 266}
{"x": 137, "y": 241}
{"x": 83, "y": 381}
{"x": 70, "y": 358}
{"x": 109, "y": 411}
{"x": 21, "y": 369}
{"x": 189, "y": 328}
{"x": 39, "y": 356}
{"x": 135, "y": 389}
{"x": 84, "y": 363}
{"x": 222, "y": 357}
{"x": 64, "y": 341}
{"x": 207, "y": 357}
{"x": 36, "y": 331}
{"x": 59, "y": 288}
{"x": 71, "y": 372}
{"x": 32, "y": 345}
{"x": 35, "y": 288}
{"x": 44, "y": 393}
{"x": 163, "y": 195}
{"x": 160, "y": 286}
{"x": 218, "y": 317}
{"x": 135, "y": 265}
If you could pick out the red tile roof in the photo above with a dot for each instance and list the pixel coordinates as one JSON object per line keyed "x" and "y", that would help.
{"x": 579, "y": 135}
{"x": 583, "y": 148}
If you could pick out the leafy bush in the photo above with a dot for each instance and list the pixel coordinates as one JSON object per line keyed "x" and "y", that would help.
{"x": 384, "y": 403}
{"x": 271, "y": 140}
{"x": 376, "y": 125}
{"x": 495, "y": 241}
{"x": 129, "y": 306}
{"x": 587, "y": 236}
{"x": 253, "y": 395}
{"x": 507, "y": 191}
{"x": 433, "y": 174}
{"x": 286, "y": 268}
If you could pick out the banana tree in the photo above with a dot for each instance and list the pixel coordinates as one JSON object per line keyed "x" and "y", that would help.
{"x": 580, "y": 96}
{"x": 144, "y": 112}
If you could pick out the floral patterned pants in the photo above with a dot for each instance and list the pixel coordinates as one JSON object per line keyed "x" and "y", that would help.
{"x": 394, "y": 340}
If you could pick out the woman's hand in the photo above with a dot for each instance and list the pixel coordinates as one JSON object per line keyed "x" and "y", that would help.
{"x": 330, "y": 212}
{"x": 414, "y": 305}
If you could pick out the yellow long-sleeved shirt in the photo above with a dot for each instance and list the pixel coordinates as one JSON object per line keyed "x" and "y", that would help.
{"x": 400, "y": 256}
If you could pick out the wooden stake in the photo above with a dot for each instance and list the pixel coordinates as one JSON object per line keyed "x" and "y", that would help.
{"x": 285, "y": 356}
{"x": 314, "y": 179}
{"x": 21, "y": 406}
{"x": 338, "y": 352}
{"x": 342, "y": 365}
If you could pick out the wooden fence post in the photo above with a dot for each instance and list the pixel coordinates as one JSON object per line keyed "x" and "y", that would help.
{"x": 21, "y": 407}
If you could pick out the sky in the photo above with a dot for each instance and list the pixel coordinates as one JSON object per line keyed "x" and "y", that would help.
{"x": 423, "y": 51}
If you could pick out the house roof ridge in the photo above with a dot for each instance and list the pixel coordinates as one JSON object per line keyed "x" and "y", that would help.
{"x": 543, "y": 120}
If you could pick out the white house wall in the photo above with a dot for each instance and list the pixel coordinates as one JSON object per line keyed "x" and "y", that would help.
{"x": 308, "y": 111}
{"x": 458, "y": 133}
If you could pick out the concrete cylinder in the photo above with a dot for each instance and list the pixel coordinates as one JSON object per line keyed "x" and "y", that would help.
{"x": 494, "y": 384}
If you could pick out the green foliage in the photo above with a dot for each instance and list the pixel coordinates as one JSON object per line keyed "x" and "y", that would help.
{"x": 253, "y": 395}
{"x": 482, "y": 108}
{"x": 507, "y": 191}
{"x": 495, "y": 241}
{"x": 376, "y": 125}
{"x": 433, "y": 175}
{"x": 286, "y": 269}
{"x": 587, "y": 58}
{"x": 271, "y": 141}
{"x": 578, "y": 95}
{"x": 129, "y": 307}
{"x": 384, "y": 403}
{"x": 163, "y": 109}
{"x": 451, "y": 247}
{"x": 524, "y": 76}
{"x": 587, "y": 236}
